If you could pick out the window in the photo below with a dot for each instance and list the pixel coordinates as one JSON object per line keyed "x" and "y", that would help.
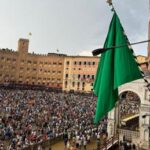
{"x": 84, "y": 76}
{"x": 67, "y": 62}
{"x": 85, "y": 63}
{"x": 93, "y": 63}
{"x": 8, "y": 59}
{"x": 83, "y": 84}
{"x": 79, "y": 76}
{"x": 89, "y": 63}
{"x": 93, "y": 77}
{"x": 29, "y": 61}
{"x": 88, "y": 76}
{"x": 66, "y": 75}
{"x": 75, "y": 62}
{"x": 80, "y": 62}
{"x": 73, "y": 84}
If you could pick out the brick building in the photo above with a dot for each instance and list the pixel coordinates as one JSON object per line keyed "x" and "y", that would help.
{"x": 53, "y": 70}
{"x": 79, "y": 73}
{"x": 21, "y": 67}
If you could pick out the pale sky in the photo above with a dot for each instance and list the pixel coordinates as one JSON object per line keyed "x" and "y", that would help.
{"x": 75, "y": 27}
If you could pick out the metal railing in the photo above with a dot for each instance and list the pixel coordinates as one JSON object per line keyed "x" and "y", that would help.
{"x": 106, "y": 144}
{"x": 129, "y": 134}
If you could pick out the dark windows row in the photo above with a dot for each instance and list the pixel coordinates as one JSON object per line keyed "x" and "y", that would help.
{"x": 44, "y": 63}
{"x": 41, "y": 70}
{"x": 8, "y": 59}
{"x": 31, "y": 62}
{"x": 40, "y": 78}
{"x": 81, "y": 63}
{"x": 74, "y": 84}
{"x": 82, "y": 76}
{"x": 42, "y": 83}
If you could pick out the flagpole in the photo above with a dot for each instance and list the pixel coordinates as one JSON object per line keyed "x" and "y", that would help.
{"x": 101, "y": 50}
{"x": 97, "y": 52}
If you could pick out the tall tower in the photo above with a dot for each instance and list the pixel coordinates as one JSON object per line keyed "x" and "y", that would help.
{"x": 148, "y": 48}
{"x": 23, "y": 45}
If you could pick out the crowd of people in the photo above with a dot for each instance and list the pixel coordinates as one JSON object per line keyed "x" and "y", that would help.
{"x": 128, "y": 108}
{"x": 28, "y": 117}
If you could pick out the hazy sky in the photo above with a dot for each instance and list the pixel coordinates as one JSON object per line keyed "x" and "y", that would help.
{"x": 72, "y": 26}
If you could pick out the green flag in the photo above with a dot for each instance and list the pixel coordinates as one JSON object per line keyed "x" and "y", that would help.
{"x": 116, "y": 67}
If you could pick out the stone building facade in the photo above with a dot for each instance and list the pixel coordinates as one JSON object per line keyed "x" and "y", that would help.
{"x": 140, "y": 137}
{"x": 53, "y": 70}
{"x": 21, "y": 67}
{"x": 79, "y": 73}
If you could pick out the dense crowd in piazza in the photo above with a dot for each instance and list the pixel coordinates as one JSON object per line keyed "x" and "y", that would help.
{"x": 29, "y": 117}
{"x": 128, "y": 108}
